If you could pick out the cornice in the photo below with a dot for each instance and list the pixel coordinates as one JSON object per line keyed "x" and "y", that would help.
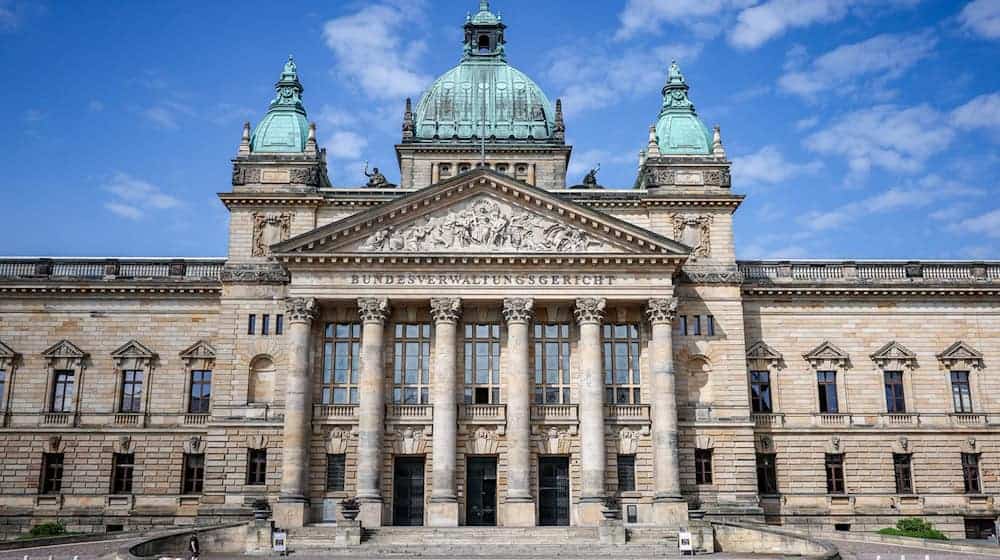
{"x": 258, "y": 199}
{"x": 464, "y": 259}
{"x": 110, "y": 288}
{"x": 871, "y": 291}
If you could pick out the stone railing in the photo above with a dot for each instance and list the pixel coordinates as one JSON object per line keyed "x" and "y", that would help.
{"x": 409, "y": 412}
{"x": 869, "y": 272}
{"x": 921, "y": 421}
{"x": 335, "y": 412}
{"x": 554, "y": 413}
{"x": 56, "y": 268}
{"x": 482, "y": 413}
{"x": 768, "y": 420}
{"x": 626, "y": 413}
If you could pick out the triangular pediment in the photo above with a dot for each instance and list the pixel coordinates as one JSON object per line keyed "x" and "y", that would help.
{"x": 760, "y": 351}
{"x": 961, "y": 353}
{"x": 894, "y": 352}
{"x": 827, "y": 353}
{"x": 481, "y": 212}
{"x": 200, "y": 350}
{"x": 64, "y": 349}
{"x": 7, "y": 352}
{"x": 133, "y": 349}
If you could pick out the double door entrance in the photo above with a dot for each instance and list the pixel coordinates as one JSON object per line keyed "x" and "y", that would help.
{"x": 481, "y": 491}
{"x": 408, "y": 491}
{"x": 553, "y": 491}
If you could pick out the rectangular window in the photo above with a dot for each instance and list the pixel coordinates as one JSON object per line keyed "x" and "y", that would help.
{"x": 62, "y": 391}
{"x": 341, "y": 358}
{"x": 703, "y": 466}
{"x": 626, "y": 473}
{"x": 482, "y": 363}
{"x": 3, "y": 387}
{"x": 961, "y": 394}
{"x": 695, "y": 325}
{"x": 760, "y": 392}
{"x": 131, "y": 393}
{"x": 411, "y": 364}
{"x": 122, "y": 468}
{"x": 52, "y": 473}
{"x": 621, "y": 364}
{"x": 336, "y": 472}
{"x": 256, "y": 467}
{"x": 709, "y": 325}
{"x": 827, "y": 382}
{"x": 767, "y": 473}
{"x": 904, "y": 475}
{"x": 265, "y": 324}
{"x": 552, "y": 363}
{"x": 970, "y": 473}
{"x": 194, "y": 473}
{"x": 279, "y": 324}
{"x": 252, "y": 324}
{"x": 894, "y": 401}
{"x": 201, "y": 391}
{"x": 835, "y": 473}
{"x": 682, "y": 325}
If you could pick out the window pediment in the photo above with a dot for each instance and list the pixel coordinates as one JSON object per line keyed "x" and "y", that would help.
{"x": 64, "y": 354}
{"x": 200, "y": 354}
{"x": 134, "y": 353}
{"x": 894, "y": 355}
{"x": 961, "y": 353}
{"x": 7, "y": 356}
{"x": 827, "y": 354}
{"x": 760, "y": 351}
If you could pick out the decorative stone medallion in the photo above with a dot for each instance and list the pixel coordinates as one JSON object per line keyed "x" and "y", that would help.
{"x": 269, "y": 229}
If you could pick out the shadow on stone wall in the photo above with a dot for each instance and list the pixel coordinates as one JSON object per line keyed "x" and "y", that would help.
{"x": 761, "y": 539}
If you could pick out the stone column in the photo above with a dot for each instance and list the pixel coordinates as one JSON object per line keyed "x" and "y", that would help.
{"x": 443, "y": 508}
{"x": 593, "y": 460}
{"x": 669, "y": 507}
{"x": 519, "y": 507}
{"x": 293, "y": 501}
{"x": 371, "y": 409}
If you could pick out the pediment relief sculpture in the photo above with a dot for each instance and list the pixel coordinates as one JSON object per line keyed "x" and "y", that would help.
{"x": 269, "y": 229}
{"x": 827, "y": 354}
{"x": 961, "y": 354}
{"x": 894, "y": 354}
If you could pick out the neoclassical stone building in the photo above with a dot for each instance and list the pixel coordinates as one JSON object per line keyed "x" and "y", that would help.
{"x": 487, "y": 345}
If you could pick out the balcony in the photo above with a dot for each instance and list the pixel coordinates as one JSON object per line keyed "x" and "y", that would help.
{"x": 482, "y": 413}
{"x": 900, "y": 419}
{"x": 58, "y": 419}
{"x": 825, "y": 420}
{"x": 554, "y": 413}
{"x": 968, "y": 419}
{"x": 129, "y": 419}
{"x": 409, "y": 413}
{"x": 335, "y": 413}
{"x": 762, "y": 420}
{"x": 626, "y": 413}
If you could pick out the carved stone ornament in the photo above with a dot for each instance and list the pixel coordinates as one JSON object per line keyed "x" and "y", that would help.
{"x": 200, "y": 355}
{"x": 337, "y": 440}
{"x": 902, "y": 445}
{"x": 270, "y": 273}
{"x": 661, "y": 310}
{"x": 660, "y": 177}
{"x": 483, "y": 442}
{"x": 446, "y": 310}
{"x": 761, "y": 353}
{"x": 133, "y": 355}
{"x": 827, "y": 354}
{"x": 256, "y": 441}
{"x": 713, "y": 276}
{"x": 483, "y": 225}
{"x": 125, "y": 445}
{"x": 56, "y": 444}
{"x": 269, "y": 229}
{"x": 765, "y": 444}
{"x": 65, "y": 355}
{"x": 704, "y": 442}
{"x": 8, "y": 357}
{"x": 245, "y": 175}
{"x": 301, "y": 309}
{"x": 695, "y": 232}
{"x": 554, "y": 441}
{"x": 311, "y": 176}
{"x": 969, "y": 445}
{"x": 961, "y": 354}
{"x": 410, "y": 441}
{"x": 834, "y": 446}
{"x": 628, "y": 441}
{"x": 518, "y": 309}
{"x": 894, "y": 355}
{"x": 194, "y": 445}
{"x": 590, "y": 310}
{"x": 373, "y": 309}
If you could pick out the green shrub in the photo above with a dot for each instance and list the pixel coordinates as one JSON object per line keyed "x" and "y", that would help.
{"x": 914, "y": 527}
{"x": 48, "y": 530}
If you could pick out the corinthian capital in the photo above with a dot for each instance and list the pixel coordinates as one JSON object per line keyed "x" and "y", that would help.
{"x": 661, "y": 310}
{"x": 590, "y": 310}
{"x": 446, "y": 310}
{"x": 301, "y": 309}
{"x": 517, "y": 309}
{"x": 373, "y": 309}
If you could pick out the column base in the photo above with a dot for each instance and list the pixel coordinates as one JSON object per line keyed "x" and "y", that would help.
{"x": 670, "y": 512}
{"x": 442, "y": 514}
{"x": 371, "y": 513}
{"x": 590, "y": 513}
{"x": 519, "y": 514}
{"x": 291, "y": 513}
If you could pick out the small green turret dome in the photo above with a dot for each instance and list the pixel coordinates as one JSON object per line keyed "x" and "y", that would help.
{"x": 284, "y": 128}
{"x": 679, "y": 131}
{"x": 483, "y": 95}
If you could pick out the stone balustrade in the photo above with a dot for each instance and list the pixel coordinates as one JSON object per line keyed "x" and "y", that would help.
{"x": 869, "y": 272}
{"x": 482, "y": 413}
{"x": 403, "y": 413}
{"x": 626, "y": 413}
{"x": 554, "y": 413}
{"x": 110, "y": 269}
{"x": 877, "y": 420}
{"x": 335, "y": 413}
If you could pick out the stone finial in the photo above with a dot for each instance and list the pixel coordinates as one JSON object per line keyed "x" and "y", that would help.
{"x": 560, "y": 131}
{"x": 373, "y": 309}
{"x": 446, "y": 310}
{"x": 245, "y": 141}
{"x": 717, "y": 149}
{"x": 652, "y": 148}
{"x": 311, "y": 140}
{"x": 661, "y": 310}
{"x": 642, "y": 158}
{"x": 408, "y": 125}
{"x": 589, "y": 310}
{"x": 302, "y": 310}
{"x": 517, "y": 309}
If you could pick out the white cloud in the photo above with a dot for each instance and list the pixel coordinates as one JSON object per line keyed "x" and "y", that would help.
{"x": 982, "y": 17}
{"x": 806, "y": 123}
{"x": 987, "y": 224}
{"x": 584, "y": 161}
{"x": 167, "y": 114}
{"x": 882, "y": 58}
{"x": 370, "y": 50}
{"x": 757, "y": 24}
{"x": 345, "y": 145}
{"x": 131, "y": 197}
{"x": 981, "y": 112}
{"x": 647, "y": 16}
{"x": 124, "y": 210}
{"x": 768, "y": 165}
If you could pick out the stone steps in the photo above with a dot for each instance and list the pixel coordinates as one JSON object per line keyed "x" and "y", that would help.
{"x": 482, "y": 550}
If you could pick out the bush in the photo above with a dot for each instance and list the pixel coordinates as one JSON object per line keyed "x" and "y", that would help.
{"x": 48, "y": 530}
{"x": 914, "y": 527}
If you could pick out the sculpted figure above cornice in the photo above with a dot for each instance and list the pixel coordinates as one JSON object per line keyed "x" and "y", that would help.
{"x": 517, "y": 309}
{"x": 373, "y": 309}
{"x": 446, "y": 309}
{"x": 483, "y": 225}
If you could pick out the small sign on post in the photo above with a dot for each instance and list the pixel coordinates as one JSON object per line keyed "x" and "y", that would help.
{"x": 280, "y": 541}
{"x": 684, "y": 541}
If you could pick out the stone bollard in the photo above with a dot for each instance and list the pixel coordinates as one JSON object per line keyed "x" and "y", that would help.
{"x": 611, "y": 531}
{"x": 348, "y": 533}
{"x": 258, "y": 539}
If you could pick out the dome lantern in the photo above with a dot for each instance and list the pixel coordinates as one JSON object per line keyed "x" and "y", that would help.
{"x": 679, "y": 131}
{"x": 284, "y": 128}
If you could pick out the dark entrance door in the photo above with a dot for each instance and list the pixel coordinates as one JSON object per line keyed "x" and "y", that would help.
{"x": 553, "y": 491}
{"x": 481, "y": 484}
{"x": 408, "y": 491}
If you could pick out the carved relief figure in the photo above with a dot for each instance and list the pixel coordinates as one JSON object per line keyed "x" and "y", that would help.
{"x": 694, "y": 231}
{"x": 269, "y": 229}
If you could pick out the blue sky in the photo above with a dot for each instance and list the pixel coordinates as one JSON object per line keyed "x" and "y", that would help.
{"x": 857, "y": 128}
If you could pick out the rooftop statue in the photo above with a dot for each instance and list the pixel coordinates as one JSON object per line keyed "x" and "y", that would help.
{"x": 590, "y": 179}
{"x": 376, "y": 180}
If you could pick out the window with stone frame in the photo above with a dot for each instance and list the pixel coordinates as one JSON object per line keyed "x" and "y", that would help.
{"x": 122, "y": 470}
{"x": 901, "y": 466}
{"x": 895, "y": 401}
{"x": 826, "y": 382}
{"x": 482, "y": 363}
{"x": 341, "y": 358}
{"x": 252, "y": 324}
{"x": 552, "y": 384}
{"x": 265, "y": 324}
{"x": 411, "y": 364}
{"x": 703, "y": 466}
{"x": 760, "y": 392}
{"x": 336, "y": 471}
{"x": 256, "y": 467}
{"x": 970, "y": 473}
{"x": 193, "y": 479}
{"x": 3, "y": 388}
{"x": 130, "y": 397}
{"x": 279, "y": 324}
{"x": 835, "y": 473}
{"x": 961, "y": 391}
{"x": 767, "y": 473}
{"x": 200, "y": 391}
{"x": 52, "y": 473}
{"x": 61, "y": 399}
{"x": 444, "y": 170}
{"x": 626, "y": 473}
{"x": 621, "y": 363}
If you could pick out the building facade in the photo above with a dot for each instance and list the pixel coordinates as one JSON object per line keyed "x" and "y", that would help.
{"x": 486, "y": 345}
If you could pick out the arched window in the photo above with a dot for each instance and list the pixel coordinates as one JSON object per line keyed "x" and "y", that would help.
{"x": 261, "y": 383}
{"x": 484, "y": 44}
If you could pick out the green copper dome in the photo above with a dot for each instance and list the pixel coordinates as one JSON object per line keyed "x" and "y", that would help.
{"x": 679, "y": 131}
{"x": 284, "y": 128}
{"x": 483, "y": 95}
